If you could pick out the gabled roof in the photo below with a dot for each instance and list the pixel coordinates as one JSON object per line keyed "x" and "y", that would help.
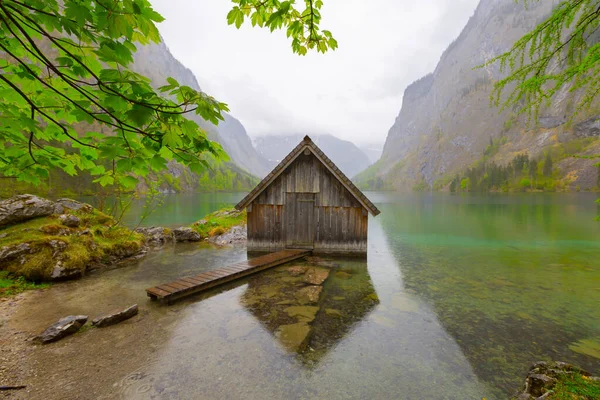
{"x": 307, "y": 143}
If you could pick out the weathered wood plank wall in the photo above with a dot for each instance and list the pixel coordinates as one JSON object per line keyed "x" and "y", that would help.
{"x": 340, "y": 222}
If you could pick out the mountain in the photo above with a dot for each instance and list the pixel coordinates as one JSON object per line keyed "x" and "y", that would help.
{"x": 156, "y": 62}
{"x": 446, "y": 126}
{"x": 349, "y": 158}
{"x": 372, "y": 150}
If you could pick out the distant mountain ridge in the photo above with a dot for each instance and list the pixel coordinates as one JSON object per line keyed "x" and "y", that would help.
{"x": 345, "y": 154}
{"x": 446, "y": 124}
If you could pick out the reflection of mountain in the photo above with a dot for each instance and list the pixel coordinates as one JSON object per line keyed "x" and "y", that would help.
{"x": 311, "y": 319}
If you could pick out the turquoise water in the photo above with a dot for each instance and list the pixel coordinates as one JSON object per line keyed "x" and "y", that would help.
{"x": 458, "y": 296}
{"x": 174, "y": 210}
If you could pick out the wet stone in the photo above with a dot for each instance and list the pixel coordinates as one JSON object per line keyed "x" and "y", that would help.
{"x": 64, "y": 327}
{"x": 294, "y": 336}
{"x": 115, "y": 317}
{"x": 343, "y": 275}
{"x": 185, "y": 234}
{"x": 331, "y": 311}
{"x": 316, "y": 275}
{"x": 302, "y": 313}
{"x": 309, "y": 294}
{"x": 297, "y": 270}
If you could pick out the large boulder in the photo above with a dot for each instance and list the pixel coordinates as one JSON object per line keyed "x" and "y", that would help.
{"x": 185, "y": 234}
{"x": 63, "y": 327}
{"x": 23, "y": 207}
{"x": 115, "y": 317}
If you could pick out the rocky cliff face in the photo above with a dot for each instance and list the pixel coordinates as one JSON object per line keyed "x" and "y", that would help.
{"x": 349, "y": 158}
{"x": 446, "y": 120}
{"x": 157, "y": 63}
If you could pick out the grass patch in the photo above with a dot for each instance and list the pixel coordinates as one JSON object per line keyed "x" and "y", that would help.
{"x": 219, "y": 222}
{"x": 11, "y": 285}
{"x": 96, "y": 239}
{"x": 576, "y": 387}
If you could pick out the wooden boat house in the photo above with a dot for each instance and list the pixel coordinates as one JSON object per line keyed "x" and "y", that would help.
{"x": 306, "y": 202}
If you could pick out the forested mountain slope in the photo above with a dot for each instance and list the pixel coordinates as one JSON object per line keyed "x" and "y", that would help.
{"x": 447, "y": 131}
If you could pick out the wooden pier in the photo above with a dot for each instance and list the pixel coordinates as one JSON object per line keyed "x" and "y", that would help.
{"x": 184, "y": 287}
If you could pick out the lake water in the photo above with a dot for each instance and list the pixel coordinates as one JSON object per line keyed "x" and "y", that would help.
{"x": 458, "y": 296}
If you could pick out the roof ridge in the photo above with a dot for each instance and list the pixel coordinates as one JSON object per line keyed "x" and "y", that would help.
{"x": 285, "y": 162}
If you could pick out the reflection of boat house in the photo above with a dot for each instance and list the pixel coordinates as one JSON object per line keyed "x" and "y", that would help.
{"x": 311, "y": 327}
{"x": 307, "y": 202}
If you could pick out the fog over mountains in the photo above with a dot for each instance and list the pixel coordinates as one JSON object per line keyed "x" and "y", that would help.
{"x": 346, "y": 155}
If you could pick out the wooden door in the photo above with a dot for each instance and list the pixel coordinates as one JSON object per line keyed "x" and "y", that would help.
{"x": 300, "y": 220}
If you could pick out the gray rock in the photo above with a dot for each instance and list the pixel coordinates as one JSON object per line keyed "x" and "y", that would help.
{"x": 61, "y": 273}
{"x": 8, "y": 253}
{"x": 64, "y": 327}
{"x": 115, "y": 317}
{"x": 73, "y": 205}
{"x": 69, "y": 220}
{"x": 185, "y": 234}
{"x": 589, "y": 127}
{"x": 24, "y": 207}
{"x": 155, "y": 234}
{"x": 237, "y": 234}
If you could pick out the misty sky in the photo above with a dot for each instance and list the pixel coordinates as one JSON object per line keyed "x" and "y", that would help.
{"x": 353, "y": 93}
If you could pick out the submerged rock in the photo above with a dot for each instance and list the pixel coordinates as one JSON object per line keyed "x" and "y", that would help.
{"x": 69, "y": 220}
{"x": 294, "y": 336}
{"x": 115, "y": 317}
{"x": 316, "y": 275}
{"x": 64, "y": 327}
{"x": 23, "y": 207}
{"x": 302, "y": 313}
{"x": 309, "y": 294}
{"x": 186, "y": 234}
{"x": 297, "y": 270}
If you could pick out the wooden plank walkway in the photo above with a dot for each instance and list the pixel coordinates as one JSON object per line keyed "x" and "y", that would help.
{"x": 184, "y": 287}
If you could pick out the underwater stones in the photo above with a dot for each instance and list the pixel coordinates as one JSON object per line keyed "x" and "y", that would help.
{"x": 588, "y": 347}
{"x": 115, "y": 317}
{"x": 294, "y": 336}
{"x": 316, "y": 275}
{"x": 331, "y": 311}
{"x": 302, "y": 313}
{"x": 296, "y": 270}
{"x": 69, "y": 220}
{"x": 186, "y": 234}
{"x": 63, "y": 327}
{"x": 343, "y": 275}
{"x": 309, "y": 294}
{"x": 24, "y": 207}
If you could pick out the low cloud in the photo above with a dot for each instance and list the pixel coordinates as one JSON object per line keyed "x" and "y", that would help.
{"x": 353, "y": 93}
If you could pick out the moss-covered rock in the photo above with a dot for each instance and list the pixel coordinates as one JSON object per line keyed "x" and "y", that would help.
{"x": 45, "y": 248}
